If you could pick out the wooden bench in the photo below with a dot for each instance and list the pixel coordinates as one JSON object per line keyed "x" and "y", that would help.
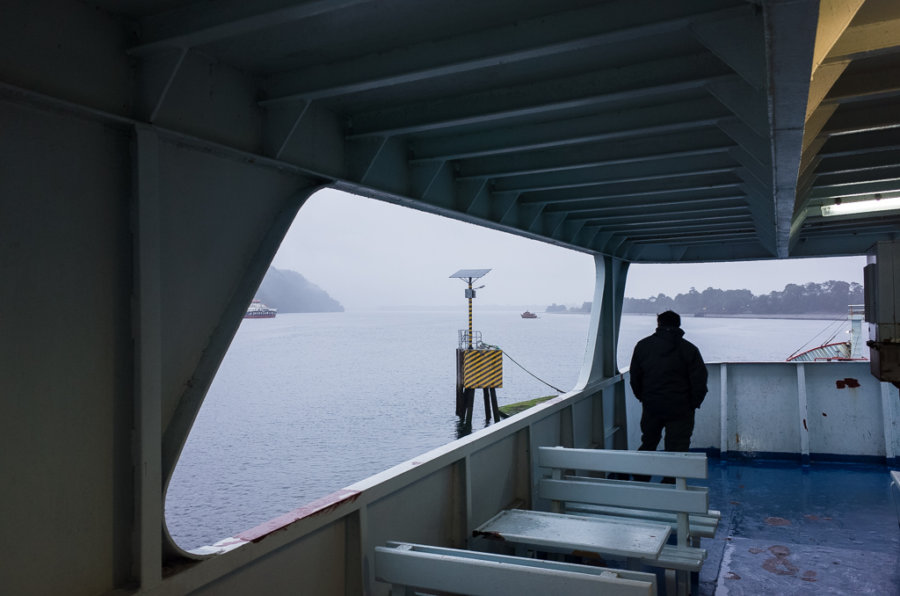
{"x": 414, "y": 567}
{"x": 685, "y": 508}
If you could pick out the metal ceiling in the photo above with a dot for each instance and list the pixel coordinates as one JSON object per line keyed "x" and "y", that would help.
{"x": 648, "y": 130}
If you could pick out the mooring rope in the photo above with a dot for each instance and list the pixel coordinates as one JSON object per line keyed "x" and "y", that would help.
{"x": 834, "y": 323}
{"x": 484, "y": 345}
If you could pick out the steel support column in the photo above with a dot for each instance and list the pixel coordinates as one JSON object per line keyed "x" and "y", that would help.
{"x": 147, "y": 561}
{"x": 603, "y": 338}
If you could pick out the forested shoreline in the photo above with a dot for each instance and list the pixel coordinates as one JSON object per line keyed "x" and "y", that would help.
{"x": 831, "y": 297}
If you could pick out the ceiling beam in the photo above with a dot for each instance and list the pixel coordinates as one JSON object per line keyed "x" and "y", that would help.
{"x": 834, "y": 17}
{"x": 815, "y": 123}
{"x": 200, "y": 23}
{"x": 855, "y": 86}
{"x": 638, "y": 172}
{"x": 576, "y": 197}
{"x": 862, "y": 188}
{"x": 822, "y": 81}
{"x": 675, "y": 213}
{"x": 792, "y": 38}
{"x": 702, "y": 238}
{"x": 860, "y": 143}
{"x": 664, "y": 204}
{"x": 657, "y": 79}
{"x": 637, "y": 229}
{"x": 861, "y": 163}
{"x": 607, "y": 126}
{"x": 862, "y": 118}
{"x": 547, "y": 36}
{"x": 704, "y": 142}
{"x": 875, "y": 27}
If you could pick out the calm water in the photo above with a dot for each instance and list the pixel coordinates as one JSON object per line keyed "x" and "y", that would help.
{"x": 305, "y": 404}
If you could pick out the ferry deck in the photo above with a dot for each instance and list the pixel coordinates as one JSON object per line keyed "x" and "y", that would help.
{"x": 825, "y": 528}
{"x": 153, "y": 154}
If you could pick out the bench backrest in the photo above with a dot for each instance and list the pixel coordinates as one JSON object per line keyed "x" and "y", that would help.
{"x": 408, "y": 566}
{"x": 637, "y": 495}
{"x": 679, "y": 499}
{"x": 650, "y": 463}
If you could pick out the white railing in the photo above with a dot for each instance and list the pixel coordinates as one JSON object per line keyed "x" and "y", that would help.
{"x": 803, "y": 409}
{"x": 440, "y": 497}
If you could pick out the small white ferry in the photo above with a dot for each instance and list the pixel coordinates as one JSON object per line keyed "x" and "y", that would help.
{"x": 258, "y": 310}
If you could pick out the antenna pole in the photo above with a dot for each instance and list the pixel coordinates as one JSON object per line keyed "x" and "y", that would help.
{"x": 470, "y": 294}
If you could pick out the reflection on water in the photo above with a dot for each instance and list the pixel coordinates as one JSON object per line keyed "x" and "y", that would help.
{"x": 306, "y": 404}
{"x": 464, "y": 429}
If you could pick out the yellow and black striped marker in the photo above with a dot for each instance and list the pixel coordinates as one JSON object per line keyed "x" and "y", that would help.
{"x": 482, "y": 368}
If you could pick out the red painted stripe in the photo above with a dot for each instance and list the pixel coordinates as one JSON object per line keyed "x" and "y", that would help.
{"x": 317, "y": 507}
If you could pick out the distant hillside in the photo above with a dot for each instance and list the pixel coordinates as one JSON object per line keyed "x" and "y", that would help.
{"x": 288, "y": 291}
{"x": 832, "y": 297}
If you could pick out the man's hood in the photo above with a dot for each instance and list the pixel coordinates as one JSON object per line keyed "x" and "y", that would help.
{"x": 669, "y": 333}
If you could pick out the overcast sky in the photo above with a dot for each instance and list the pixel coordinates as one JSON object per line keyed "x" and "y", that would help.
{"x": 369, "y": 254}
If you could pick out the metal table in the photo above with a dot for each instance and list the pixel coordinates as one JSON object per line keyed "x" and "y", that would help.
{"x": 574, "y": 534}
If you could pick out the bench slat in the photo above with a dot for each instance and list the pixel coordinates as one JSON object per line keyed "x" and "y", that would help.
{"x": 639, "y": 495}
{"x": 702, "y": 526}
{"x": 540, "y": 563}
{"x": 461, "y": 574}
{"x": 651, "y": 463}
{"x": 682, "y": 558}
{"x": 712, "y": 514}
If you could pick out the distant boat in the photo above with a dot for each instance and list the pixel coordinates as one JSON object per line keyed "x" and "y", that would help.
{"x": 529, "y": 315}
{"x": 852, "y": 349}
{"x": 258, "y": 310}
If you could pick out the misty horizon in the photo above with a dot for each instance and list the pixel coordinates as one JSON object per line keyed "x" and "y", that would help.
{"x": 368, "y": 254}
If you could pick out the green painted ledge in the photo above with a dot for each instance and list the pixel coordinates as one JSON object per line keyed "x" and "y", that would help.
{"x": 515, "y": 408}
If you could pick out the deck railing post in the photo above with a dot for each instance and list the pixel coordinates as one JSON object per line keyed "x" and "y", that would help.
{"x": 723, "y": 413}
{"x": 804, "y": 414}
{"x": 887, "y": 409}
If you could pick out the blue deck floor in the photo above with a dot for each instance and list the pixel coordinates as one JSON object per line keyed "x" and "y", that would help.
{"x": 791, "y": 529}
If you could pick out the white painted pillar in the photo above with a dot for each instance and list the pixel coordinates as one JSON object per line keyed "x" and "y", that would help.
{"x": 804, "y": 413}
{"x": 888, "y": 417}
{"x": 723, "y": 405}
{"x": 600, "y": 353}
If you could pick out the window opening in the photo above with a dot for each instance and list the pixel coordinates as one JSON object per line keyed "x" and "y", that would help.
{"x": 307, "y": 403}
{"x": 755, "y": 311}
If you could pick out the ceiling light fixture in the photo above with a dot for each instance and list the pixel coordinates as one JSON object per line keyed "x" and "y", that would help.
{"x": 846, "y": 208}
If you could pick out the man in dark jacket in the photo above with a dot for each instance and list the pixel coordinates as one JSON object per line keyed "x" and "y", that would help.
{"x": 668, "y": 377}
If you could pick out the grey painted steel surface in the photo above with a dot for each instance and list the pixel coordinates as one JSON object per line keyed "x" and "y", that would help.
{"x": 406, "y": 566}
{"x": 807, "y": 409}
{"x": 646, "y": 130}
{"x": 155, "y": 151}
{"x": 883, "y": 310}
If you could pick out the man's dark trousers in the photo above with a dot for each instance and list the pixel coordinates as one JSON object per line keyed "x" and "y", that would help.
{"x": 678, "y": 433}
